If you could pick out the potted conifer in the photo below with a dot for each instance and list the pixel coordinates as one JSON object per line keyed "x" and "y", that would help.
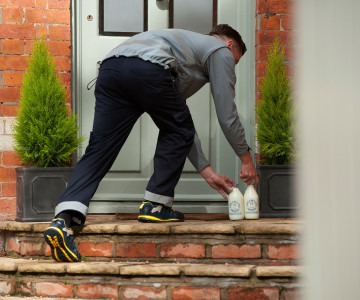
{"x": 275, "y": 137}
{"x": 45, "y": 137}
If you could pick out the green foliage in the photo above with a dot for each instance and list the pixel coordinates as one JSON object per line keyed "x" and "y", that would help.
{"x": 274, "y": 111}
{"x": 44, "y": 134}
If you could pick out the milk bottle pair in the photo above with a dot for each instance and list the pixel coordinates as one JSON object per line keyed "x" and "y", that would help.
{"x": 243, "y": 207}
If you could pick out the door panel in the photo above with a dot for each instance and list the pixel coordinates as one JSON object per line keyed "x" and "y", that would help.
{"x": 123, "y": 188}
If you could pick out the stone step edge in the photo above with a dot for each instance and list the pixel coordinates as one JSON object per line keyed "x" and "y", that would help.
{"x": 37, "y": 298}
{"x": 145, "y": 269}
{"x": 278, "y": 226}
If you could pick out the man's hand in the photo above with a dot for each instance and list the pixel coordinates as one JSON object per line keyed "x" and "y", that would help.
{"x": 248, "y": 172}
{"x": 221, "y": 183}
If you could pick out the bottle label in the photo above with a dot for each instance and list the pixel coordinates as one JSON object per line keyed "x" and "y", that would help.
{"x": 234, "y": 207}
{"x": 251, "y": 205}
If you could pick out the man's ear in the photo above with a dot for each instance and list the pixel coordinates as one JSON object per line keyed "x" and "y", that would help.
{"x": 229, "y": 43}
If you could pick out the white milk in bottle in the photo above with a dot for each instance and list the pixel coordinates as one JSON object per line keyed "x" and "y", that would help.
{"x": 251, "y": 203}
{"x": 236, "y": 204}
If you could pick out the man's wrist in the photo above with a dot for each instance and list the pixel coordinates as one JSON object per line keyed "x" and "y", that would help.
{"x": 246, "y": 157}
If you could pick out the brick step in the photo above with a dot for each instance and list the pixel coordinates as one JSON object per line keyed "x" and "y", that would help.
{"x": 131, "y": 280}
{"x": 254, "y": 242}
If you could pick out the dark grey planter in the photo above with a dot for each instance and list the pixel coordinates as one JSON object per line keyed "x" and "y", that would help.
{"x": 38, "y": 191}
{"x": 276, "y": 191}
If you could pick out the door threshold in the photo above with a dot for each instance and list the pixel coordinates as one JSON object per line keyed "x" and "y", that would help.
{"x": 201, "y": 217}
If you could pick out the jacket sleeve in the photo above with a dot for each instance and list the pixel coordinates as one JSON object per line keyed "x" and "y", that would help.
{"x": 221, "y": 68}
{"x": 197, "y": 156}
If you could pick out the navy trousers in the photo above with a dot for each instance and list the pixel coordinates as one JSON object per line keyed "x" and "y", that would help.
{"x": 125, "y": 89}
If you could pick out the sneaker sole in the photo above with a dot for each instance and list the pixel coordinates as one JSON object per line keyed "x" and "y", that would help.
{"x": 151, "y": 219}
{"x": 55, "y": 239}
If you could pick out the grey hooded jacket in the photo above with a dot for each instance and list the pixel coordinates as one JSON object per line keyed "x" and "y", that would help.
{"x": 196, "y": 59}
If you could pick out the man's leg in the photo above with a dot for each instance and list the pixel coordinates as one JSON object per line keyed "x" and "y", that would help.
{"x": 155, "y": 92}
{"x": 114, "y": 118}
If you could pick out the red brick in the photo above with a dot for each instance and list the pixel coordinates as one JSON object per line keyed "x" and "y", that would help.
{"x": 272, "y": 22}
{"x": 10, "y": 158}
{"x": 7, "y": 216}
{"x": 60, "y": 33}
{"x": 41, "y": 3}
{"x": 6, "y": 287}
{"x": 283, "y": 251}
{"x": 10, "y": 110}
{"x": 23, "y": 288}
{"x": 198, "y": 293}
{"x": 292, "y": 294}
{"x": 13, "y": 79}
{"x": 59, "y": 48}
{"x": 31, "y": 248}
{"x": 9, "y": 189}
{"x": 41, "y": 32}
{"x": 13, "y": 47}
{"x": 236, "y": 251}
{"x": 93, "y": 249}
{"x": 9, "y": 94}
{"x": 266, "y": 37}
{"x": 68, "y": 96}
{"x": 62, "y": 63}
{"x": 7, "y": 174}
{"x": 13, "y": 62}
{"x": 65, "y": 79}
{"x": 137, "y": 292}
{"x": 57, "y": 289}
{"x": 48, "y": 16}
{"x": 276, "y": 6}
{"x": 98, "y": 291}
{"x": 182, "y": 250}
{"x": 289, "y": 53}
{"x": 12, "y": 244}
{"x": 59, "y": 4}
{"x": 12, "y": 14}
{"x": 136, "y": 250}
{"x": 287, "y": 23}
{"x": 17, "y": 3}
{"x": 260, "y": 68}
{"x": 248, "y": 293}
{"x": 261, "y": 53}
{"x": 17, "y": 31}
{"x": 47, "y": 250}
{"x": 8, "y": 205}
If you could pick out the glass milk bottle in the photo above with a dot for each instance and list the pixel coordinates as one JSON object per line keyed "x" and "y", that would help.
{"x": 251, "y": 203}
{"x": 236, "y": 204}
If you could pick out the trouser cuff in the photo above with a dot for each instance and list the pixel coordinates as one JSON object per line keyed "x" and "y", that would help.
{"x": 72, "y": 205}
{"x": 165, "y": 200}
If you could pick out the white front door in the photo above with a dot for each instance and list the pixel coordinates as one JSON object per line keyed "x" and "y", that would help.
{"x": 95, "y": 34}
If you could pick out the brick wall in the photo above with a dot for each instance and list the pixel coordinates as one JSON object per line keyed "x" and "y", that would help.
{"x": 274, "y": 18}
{"x": 22, "y": 21}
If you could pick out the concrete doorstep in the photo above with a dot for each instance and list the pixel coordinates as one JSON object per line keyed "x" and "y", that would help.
{"x": 32, "y": 266}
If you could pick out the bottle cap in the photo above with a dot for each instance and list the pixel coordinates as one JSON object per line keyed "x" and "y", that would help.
{"x": 235, "y": 185}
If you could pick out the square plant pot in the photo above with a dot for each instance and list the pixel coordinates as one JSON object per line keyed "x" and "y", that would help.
{"x": 38, "y": 191}
{"x": 276, "y": 191}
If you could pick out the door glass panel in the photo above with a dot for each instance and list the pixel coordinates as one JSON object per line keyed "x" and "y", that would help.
{"x": 198, "y": 16}
{"x": 123, "y": 17}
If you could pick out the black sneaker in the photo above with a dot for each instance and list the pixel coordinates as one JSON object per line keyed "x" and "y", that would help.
{"x": 61, "y": 241}
{"x": 157, "y": 213}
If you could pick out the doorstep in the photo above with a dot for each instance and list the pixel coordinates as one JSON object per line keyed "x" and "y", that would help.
{"x": 33, "y": 266}
{"x": 110, "y": 224}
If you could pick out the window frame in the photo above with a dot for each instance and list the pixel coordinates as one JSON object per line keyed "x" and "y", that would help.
{"x": 102, "y": 32}
{"x": 171, "y": 13}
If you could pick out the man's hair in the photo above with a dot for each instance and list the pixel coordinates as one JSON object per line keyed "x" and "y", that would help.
{"x": 229, "y": 32}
